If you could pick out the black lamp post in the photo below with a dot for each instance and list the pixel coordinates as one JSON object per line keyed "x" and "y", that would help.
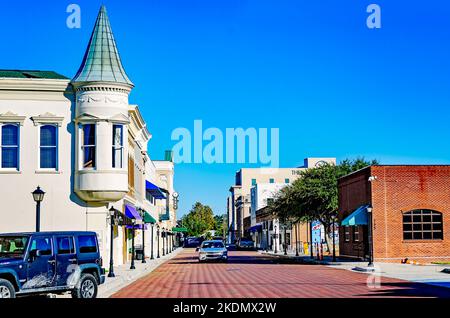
{"x": 275, "y": 236}
{"x": 163, "y": 241}
{"x": 151, "y": 253}
{"x": 38, "y": 196}
{"x": 296, "y": 239}
{"x": 369, "y": 226}
{"x": 311, "y": 247}
{"x": 157, "y": 236}
{"x": 143, "y": 236}
{"x": 113, "y": 220}
{"x": 132, "y": 244}
{"x": 267, "y": 234}
{"x": 285, "y": 245}
{"x": 334, "y": 240}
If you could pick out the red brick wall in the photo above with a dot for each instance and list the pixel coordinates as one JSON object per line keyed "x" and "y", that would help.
{"x": 398, "y": 189}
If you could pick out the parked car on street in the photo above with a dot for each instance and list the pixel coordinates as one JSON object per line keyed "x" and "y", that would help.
{"x": 245, "y": 244}
{"x": 212, "y": 250}
{"x": 50, "y": 263}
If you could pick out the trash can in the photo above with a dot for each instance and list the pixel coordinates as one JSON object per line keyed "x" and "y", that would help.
{"x": 138, "y": 254}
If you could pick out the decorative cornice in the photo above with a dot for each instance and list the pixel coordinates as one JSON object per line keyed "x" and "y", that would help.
{"x": 10, "y": 117}
{"x": 34, "y": 84}
{"x": 47, "y": 118}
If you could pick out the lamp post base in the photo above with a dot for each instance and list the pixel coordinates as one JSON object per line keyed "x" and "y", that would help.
{"x": 111, "y": 275}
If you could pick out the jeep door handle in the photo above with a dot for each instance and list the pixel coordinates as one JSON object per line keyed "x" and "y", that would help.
{"x": 52, "y": 262}
{"x": 73, "y": 260}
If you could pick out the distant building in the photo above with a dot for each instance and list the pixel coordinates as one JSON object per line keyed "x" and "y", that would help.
{"x": 239, "y": 202}
{"x": 410, "y": 213}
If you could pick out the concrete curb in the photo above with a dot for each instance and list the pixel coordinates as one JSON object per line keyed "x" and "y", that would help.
{"x": 125, "y": 276}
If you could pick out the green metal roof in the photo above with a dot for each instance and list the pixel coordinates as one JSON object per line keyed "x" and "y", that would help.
{"x": 31, "y": 74}
{"x": 101, "y": 61}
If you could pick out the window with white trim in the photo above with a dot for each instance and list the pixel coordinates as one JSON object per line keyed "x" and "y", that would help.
{"x": 88, "y": 147}
{"x": 48, "y": 147}
{"x": 9, "y": 146}
{"x": 117, "y": 146}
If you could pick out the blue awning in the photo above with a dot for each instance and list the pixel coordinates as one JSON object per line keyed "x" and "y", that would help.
{"x": 131, "y": 212}
{"x": 256, "y": 228}
{"x": 154, "y": 190}
{"x": 357, "y": 217}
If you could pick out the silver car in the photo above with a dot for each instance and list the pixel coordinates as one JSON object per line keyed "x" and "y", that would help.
{"x": 212, "y": 250}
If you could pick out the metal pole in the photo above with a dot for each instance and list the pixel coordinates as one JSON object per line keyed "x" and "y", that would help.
{"x": 334, "y": 241}
{"x": 111, "y": 253}
{"x": 143, "y": 243}
{"x": 151, "y": 253}
{"x": 163, "y": 242}
{"x": 38, "y": 216}
{"x": 267, "y": 232}
{"x": 285, "y": 240}
{"x": 310, "y": 239}
{"x": 296, "y": 240}
{"x": 132, "y": 248}
{"x": 157, "y": 236}
{"x": 370, "y": 240}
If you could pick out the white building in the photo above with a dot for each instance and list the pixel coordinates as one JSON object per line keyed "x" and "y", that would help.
{"x": 239, "y": 202}
{"x": 83, "y": 143}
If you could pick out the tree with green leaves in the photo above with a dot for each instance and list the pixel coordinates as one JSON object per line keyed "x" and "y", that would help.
{"x": 199, "y": 220}
{"x": 314, "y": 196}
{"x": 220, "y": 224}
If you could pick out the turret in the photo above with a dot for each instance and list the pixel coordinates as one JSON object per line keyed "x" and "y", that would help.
{"x": 101, "y": 118}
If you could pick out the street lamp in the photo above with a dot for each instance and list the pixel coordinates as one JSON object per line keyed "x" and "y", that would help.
{"x": 334, "y": 240}
{"x": 151, "y": 253}
{"x": 143, "y": 235}
{"x": 38, "y": 196}
{"x": 275, "y": 236}
{"x": 163, "y": 235}
{"x": 157, "y": 235}
{"x": 296, "y": 239}
{"x": 113, "y": 220}
{"x": 369, "y": 225}
{"x": 133, "y": 221}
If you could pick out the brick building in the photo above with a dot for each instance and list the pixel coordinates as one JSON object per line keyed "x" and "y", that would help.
{"x": 410, "y": 213}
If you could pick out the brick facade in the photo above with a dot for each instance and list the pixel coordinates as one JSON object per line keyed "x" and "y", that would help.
{"x": 396, "y": 190}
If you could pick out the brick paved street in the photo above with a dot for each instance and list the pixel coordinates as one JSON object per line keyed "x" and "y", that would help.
{"x": 251, "y": 275}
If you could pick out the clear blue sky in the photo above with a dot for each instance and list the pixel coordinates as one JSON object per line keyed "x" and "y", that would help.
{"x": 311, "y": 68}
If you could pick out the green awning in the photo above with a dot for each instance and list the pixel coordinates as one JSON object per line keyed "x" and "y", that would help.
{"x": 148, "y": 218}
{"x": 358, "y": 217}
{"x": 179, "y": 229}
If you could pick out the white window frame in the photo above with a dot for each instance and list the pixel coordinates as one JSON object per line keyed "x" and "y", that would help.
{"x": 115, "y": 148}
{"x": 18, "y": 125}
{"x": 56, "y": 169}
{"x": 81, "y": 146}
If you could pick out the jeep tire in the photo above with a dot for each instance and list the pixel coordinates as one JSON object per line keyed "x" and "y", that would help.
{"x": 86, "y": 288}
{"x": 7, "y": 289}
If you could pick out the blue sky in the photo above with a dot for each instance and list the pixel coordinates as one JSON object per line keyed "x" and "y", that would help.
{"x": 310, "y": 68}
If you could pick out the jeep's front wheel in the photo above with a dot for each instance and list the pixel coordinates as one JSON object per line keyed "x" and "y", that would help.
{"x": 6, "y": 289}
{"x": 86, "y": 288}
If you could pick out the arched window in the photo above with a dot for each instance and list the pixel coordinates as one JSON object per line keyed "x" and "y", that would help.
{"x": 10, "y": 146}
{"x": 422, "y": 225}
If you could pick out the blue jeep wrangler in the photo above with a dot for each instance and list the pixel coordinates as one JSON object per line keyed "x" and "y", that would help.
{"x": 50, "y": 263}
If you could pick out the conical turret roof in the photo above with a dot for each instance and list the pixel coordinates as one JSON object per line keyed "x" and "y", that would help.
{"x": 101, "y": 62}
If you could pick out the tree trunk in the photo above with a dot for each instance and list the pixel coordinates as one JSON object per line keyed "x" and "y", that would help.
{"x": 327, "y": 228}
